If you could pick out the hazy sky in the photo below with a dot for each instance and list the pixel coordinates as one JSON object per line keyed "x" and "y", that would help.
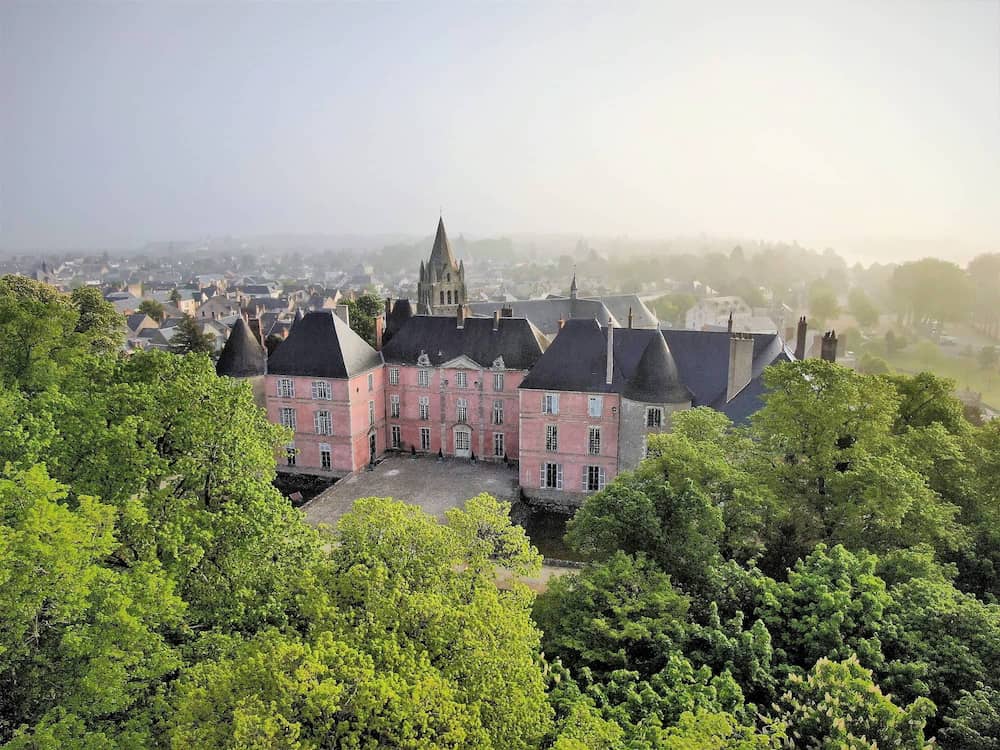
{"x": 813, "y": 121}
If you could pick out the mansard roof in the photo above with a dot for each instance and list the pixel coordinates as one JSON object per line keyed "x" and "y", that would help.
{"x": 322, "y": 345}
{"x": 516, "y": 341}
{"x": 441, "y": 255}
{"x": 642, "y": 370}
{"x": 242, "y": 356}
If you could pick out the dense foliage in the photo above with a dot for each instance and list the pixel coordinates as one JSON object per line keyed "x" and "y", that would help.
{"x": 825, "y": 577}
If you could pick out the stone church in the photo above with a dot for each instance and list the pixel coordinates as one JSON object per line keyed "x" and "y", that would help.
{"x": 441, "y": 288}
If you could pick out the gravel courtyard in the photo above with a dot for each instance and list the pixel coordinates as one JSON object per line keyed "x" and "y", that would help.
{"x": 436, "y": 486}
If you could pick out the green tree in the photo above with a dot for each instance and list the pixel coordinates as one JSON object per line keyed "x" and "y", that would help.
{"x": 190, "y": 338}
{"x": 931, "y": 289}
{"x": 862, "y": 308}
{"x": 152, "y": 308}
{"x": 823, "y": 304}
{"x": 837, "y": 705}
{"x": 98, "y": 320}
{"x": 362, "y": 313}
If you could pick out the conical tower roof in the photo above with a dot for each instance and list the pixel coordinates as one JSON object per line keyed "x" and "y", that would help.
{"x": 655, "y": 380}
{"x": 242, "y": 356}
{"x": 441, "y": 255}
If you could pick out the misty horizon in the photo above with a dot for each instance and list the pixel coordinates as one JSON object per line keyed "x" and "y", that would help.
{"x": 873, "y": 131}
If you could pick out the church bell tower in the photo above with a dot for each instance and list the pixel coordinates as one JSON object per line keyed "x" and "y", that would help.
{"x": 441, "y": 288}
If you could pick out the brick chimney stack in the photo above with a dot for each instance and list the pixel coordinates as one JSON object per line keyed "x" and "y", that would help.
{"x": 800, "y": 339}
{"x": 630, "y": 316}
{"x": 460, "y": 316}
{"x": 506, "y": 311}
{"x": 496, "y": 320}
{"x": 379, "y": 331}
{"x": 610, "y": 374}
{"x": 729, "y": 326}
{"x": 829, "y": 346}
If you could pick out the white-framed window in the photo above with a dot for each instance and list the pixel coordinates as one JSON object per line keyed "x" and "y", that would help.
{"x": 396, "y": 436}
{"x": 371, "y": 412}
{"x": 550, "y": 403}
{"x": 462, "y": 410}
{"x": 323, "y": 423}
{"x": 498, "y": 411}
{"x": 423, "y": 377}
{"x": 371, "y": 382}
{"x": 594, "y": 478}
{"x": 394, "y": 405}
{"x": 594, "y": 441}
{"x": 498, "y": 447}
{"x": 595, "y": 406}
{"x": 321, "y": 390}
{"x": 393, "y": 376}
{"x": 462, "y": 379}
{"x": 462, "y": 441}
{"x": 498, "y": 381}
{"x": 552, "y": 476}
{"x": 654, "y": 416}
{"x": 286, "y": 388}
{"x": 325, "y": 457}
{"x": 425, "y": 438}
{"x": 290, "y": 454}
{"x": 287, "y": 417}
{"x": 424, "y": 406}
{"x": 551, "y": 437}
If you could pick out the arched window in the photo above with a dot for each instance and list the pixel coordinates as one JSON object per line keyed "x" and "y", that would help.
{"x": 442, "y": 298}
{"x": 447, "y": 277}
{"x": 449, "y": 297}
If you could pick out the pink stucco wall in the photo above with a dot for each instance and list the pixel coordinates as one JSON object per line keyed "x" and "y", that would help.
{"x": 573, "y": 422}
{"x": 443, "y": 394}
{"x": 348, "y": 407}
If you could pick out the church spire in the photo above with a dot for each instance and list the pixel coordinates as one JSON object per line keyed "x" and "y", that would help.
{"x": 441, "y": 255}
{"x": 572, "y": 287}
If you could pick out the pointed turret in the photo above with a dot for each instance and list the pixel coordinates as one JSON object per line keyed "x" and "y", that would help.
{"x": 572, "y": 287}
{"x": 441, "y": 255}
{"x": 242, "y": 356}
{"x": 655, "y": 379}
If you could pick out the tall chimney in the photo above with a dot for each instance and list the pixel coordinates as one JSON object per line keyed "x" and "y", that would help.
{"x": 379, "y": 331}
{"x": 729, "y": 327}
{"x": 630, "y": 316}
{"x": 828, "y": 349}
{"x": 800, "y": 340}
{"x": 740, "y": 364}
{"x": 610, "y": 375}
{"x": 460, "y": 316}
{"x": 496, "y": 320}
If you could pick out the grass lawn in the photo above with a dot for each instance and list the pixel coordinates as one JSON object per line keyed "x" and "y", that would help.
{"x": 965, "y": 371}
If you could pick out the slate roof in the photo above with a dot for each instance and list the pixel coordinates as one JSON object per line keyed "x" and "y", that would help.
{"x": 242, "y": 356}
{"x": 546, "y": 313}
{"x": 702, "y": 359}
{"x": 134, "y": 320}
{"x": 577, "y": 361}
{"x": 322, "y": 345}
{"x": 516, "y": 340}
{"x": 620, "y": 304}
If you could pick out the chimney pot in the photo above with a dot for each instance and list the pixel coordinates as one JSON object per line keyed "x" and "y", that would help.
{"x": 460, "y": 316}
{"x": 496, "y": 320}
{"x": 630, "y": 316}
